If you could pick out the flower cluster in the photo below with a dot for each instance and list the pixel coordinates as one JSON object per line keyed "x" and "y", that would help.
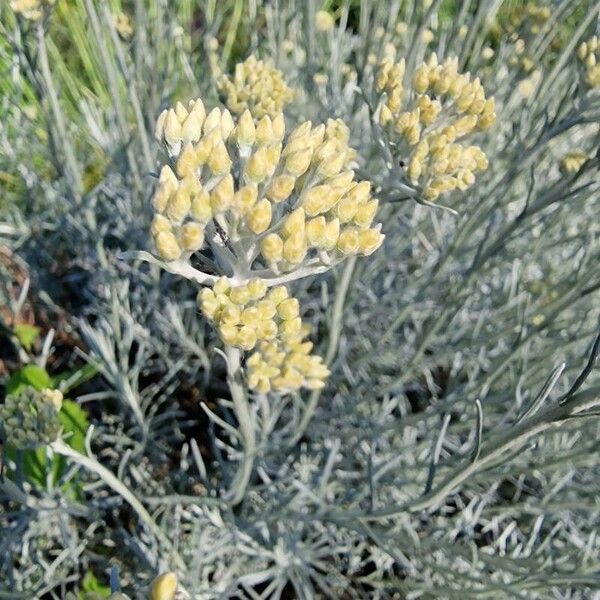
{"x": 572, "y": 162}
{"x": 267, "y": 208}
{"x": 33, "y": 10}
{"x": 255, "y": 86}
{"x": 30, "y": 418}
{"x": 123, "y": 25}
{"x": 589, "y": 55}
{"x": 297, "y": 201}
{"x": 444, "y": 106}
{"x": 324, "y": 21}
{"x": 248, "y": 317}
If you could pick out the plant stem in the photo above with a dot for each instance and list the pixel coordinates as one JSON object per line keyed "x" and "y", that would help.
{"x": 246, "y": 425}
{"x": 116, "y": 485}
{"x": 332, "y": 346}
{"x": 72, "y": 165}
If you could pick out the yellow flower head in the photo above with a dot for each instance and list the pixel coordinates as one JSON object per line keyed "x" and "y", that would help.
{"x": 32, "y": 10}
{"x": 255, "y": 86}
{"x": 430, "y": 113}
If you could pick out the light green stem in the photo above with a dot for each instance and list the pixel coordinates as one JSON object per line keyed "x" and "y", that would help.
{"x": 61, "y": 128}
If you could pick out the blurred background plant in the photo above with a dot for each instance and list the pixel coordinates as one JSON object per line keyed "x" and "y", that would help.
{"x": 452, "y": 452}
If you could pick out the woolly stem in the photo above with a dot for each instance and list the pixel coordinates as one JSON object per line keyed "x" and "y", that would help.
{"x": 92, "y": 465}
{"x": 245, "y": 423}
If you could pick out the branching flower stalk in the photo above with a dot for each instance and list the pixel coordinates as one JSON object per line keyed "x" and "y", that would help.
{"x": 261, "y": 209}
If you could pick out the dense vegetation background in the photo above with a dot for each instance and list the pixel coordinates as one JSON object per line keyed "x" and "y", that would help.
{"x": 453, "y": 452}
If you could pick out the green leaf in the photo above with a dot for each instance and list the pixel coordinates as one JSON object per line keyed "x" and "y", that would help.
{"x": 75, "y": 424}
{"x": 90, "y": 584}
{"x": 29, "y": 375}
{"x": 26, "y": 334}
{"x": 75, "y": 378}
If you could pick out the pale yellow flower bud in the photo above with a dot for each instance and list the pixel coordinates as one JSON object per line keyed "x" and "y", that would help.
{"x": 172, "y": 129}
{"x": 278, "y": 127}
{"x": 221, "y": 286}
{"x": 257, "y": 165}
{"x": 239, "y": 295}
{"x": 347, "y": 242}
{"x": 266, "y": 309}
{"x": 159, "y": 223}
{"x": 181, "y": 112}
{"x": 219, "y": 162}
{"x": 297, "y": 163}
{"x": 294, "y": 223}
{"x": 227, "y": 124}
{"x": 294, "y": 248}
{"x": 323, "y": 21}
{"x": 278, "y": 294}
{"x": 280, "y": 188}
{"x": 266, "y": 329}
{"x": 208, "y": 303}
{"x": 249, "y": 316}
{"x": 200, "y": 208}
{"x": 230, "y": 315}
{"x": 369, "y": 240}
{"x": 271, "y": 248}
{"x": 167, "y": 186}
{"x": 221, "y": 196}
{"x": 291, "y": 328}
{"x": 212, "y": 121}
{"x": 264, "y": 131}
{"x": 288, "y": 308}
{"x": 192, "y": 236}
{"x": 258, "y": 218}
{"x": 245, "y": 198}
{"x": 257, "y": 288}
{"x": 332, "y": 165}
{"x": 365, "y": 213}
{"x": 385, "y": 115}
{"x": 420, "y": 79}
{"x": 346, "y": 209}
{"x": 186, "y": 161}
{"x": 191, "y": 129}
{"x": 273, "y": 156}
{"x": 332, "y": 233}
{"x": 315, "y": 231}
{"x": 229, "y": 334}
{"x": 246, "y": 131}
{"x": 319, "y": 199}
{"x": 164, "y": 587}
{"x": 246, "y": 338}
{"x": 179, "y": 205}
{"x": 167, "y": 245}
{"x": 160, "y": 125}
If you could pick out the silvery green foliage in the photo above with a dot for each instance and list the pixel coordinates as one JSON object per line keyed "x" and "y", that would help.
{"x": 450, "y": 455}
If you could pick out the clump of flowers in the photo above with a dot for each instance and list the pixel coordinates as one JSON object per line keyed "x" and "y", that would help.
{"x": 440, "y": 107}
{"x": 257, "y": 87}
{"x": 33, "y": 10}
{"x": 588, "y": 54}
{"x": 250, "y": 317}
{"x": 324, "y": 21}
{"x": 572, "y": 162}
{"x": 286, "y": 204}
{"x": 123, "y": 25}
{"x": 30, "y": 418}
{"x": 269, "y": 209}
